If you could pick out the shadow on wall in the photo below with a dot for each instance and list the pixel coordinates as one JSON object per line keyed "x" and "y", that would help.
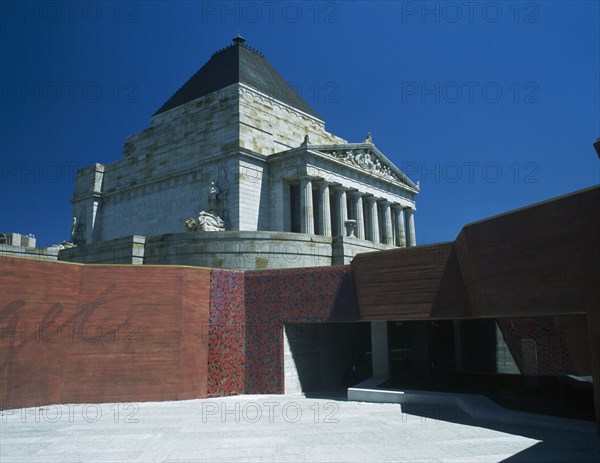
{"x": 329, "y": 356}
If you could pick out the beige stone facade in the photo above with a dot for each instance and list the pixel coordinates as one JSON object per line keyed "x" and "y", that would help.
{"x": 254, "y": 162}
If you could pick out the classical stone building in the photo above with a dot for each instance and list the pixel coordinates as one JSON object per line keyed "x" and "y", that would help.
{"x": 237, "y": 171}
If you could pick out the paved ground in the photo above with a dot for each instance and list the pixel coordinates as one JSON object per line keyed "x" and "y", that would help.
{"x": 277, "y": 428}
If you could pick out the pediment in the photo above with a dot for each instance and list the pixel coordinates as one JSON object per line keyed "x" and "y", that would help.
{"x": 366, "y": 157}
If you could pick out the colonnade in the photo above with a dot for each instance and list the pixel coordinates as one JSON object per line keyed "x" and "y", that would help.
{"x": 377, "y": 219}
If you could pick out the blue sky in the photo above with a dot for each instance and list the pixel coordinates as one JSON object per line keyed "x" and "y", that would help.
{"x": 489, "y": 105}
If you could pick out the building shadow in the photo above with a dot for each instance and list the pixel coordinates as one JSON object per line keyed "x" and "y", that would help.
{"x": 554, "y": 444}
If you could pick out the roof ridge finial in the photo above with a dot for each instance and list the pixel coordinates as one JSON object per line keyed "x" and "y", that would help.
{"x": 238, "y": 39}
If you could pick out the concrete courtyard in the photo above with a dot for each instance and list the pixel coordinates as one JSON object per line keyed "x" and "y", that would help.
{"x": 277, "y": 428}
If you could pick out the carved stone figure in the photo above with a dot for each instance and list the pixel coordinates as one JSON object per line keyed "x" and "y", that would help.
{"x": 377, "y": 166}
{"x": 210, "y": 222}
{"x": 77, "y": 233}
{"x": 206, "y": 222}
{"x": 191, "y": 224}
{"x": 369, "y": 162}
{"x": 365, "y": 160}
{"x": 213, "y": 198}
{"x": 73, "y": 228}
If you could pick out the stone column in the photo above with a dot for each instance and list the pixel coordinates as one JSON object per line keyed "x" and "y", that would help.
{"x": 400, "y": 229}
{"x": 374, "y": 222}
{"x": 387, "y": 237}
{"x": 307, "y": 220}
{"x": 410, "y": 222}
{"x": 325, "y": 209}
{"x": 357, "y": 204}
{"x": 393, "y": 225}
{"x": 342, "y": 207}
{"x": 380, "y": 349}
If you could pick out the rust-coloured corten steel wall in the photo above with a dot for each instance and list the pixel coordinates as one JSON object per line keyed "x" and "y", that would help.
{"x": 92, "y": 333}
{"x": 542, "y": 261}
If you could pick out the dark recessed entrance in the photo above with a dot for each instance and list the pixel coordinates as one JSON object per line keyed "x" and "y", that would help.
{"x": 473, "y": 356}
{"x": 329, "y": 357}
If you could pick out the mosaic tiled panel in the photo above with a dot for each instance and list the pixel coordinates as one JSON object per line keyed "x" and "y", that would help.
{"x": 275, "y": 297}
{"x": 226, "y": 344}
{"x": 247, "y": 314}
{"x": 544, "y": 345}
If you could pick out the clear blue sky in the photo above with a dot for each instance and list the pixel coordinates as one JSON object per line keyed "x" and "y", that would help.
{"x": 490, "y": 105}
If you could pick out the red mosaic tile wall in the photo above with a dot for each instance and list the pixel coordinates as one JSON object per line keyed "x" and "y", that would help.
{"x": 250, "y": 360}
{"x": 275, "y": 297}
{"x": 548, "y": 345}
{"x": 227, "y": 334}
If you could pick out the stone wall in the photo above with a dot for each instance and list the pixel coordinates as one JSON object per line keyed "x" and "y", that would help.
{"x": 268, "y": 126}
{"x": 165, "y": 173}
{"x": 239, "y": 250}
{"x": 230, "y": 250}
{"x": 9, "y": 250}
{"x": 254, "y": 194}
{"x": 345, "y": 248}
{"x": 126, "y": 250}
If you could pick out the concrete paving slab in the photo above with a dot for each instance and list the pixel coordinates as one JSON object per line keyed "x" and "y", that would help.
{"x": 278, "y": 428}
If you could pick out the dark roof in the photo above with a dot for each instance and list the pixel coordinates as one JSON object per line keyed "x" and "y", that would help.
{"x": 237, "y": 63}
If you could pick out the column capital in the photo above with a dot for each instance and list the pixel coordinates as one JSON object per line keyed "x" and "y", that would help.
{"x": 409, "y": 208}
{"x": 356, "y": 194}
{"x": 384, "y": 202}
{"x": 370, "y": 199}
